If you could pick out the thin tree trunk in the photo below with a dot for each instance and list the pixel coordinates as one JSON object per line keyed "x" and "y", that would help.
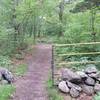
{"x": 61, "y": 11}
{"x": 93, "y": 13}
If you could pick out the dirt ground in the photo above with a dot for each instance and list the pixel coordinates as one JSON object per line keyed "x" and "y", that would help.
{"x": 32, "y": 86}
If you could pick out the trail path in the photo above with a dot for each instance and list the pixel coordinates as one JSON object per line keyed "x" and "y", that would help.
{"x": 32, "y": 86}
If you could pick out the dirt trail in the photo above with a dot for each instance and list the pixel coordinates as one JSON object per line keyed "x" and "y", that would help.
{"x": 32, "y": 86}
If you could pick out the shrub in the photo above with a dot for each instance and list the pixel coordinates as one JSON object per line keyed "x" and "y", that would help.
{"x": 97, "y": 96}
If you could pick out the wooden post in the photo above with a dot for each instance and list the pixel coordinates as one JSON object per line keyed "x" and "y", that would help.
{"x": 52, "y": 67}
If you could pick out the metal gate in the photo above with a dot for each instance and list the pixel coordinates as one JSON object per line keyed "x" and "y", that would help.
{"x": 55, "y": 56}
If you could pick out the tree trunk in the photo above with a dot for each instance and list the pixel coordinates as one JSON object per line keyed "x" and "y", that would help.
{"x": 61, "y": 11}
{"x": 93, "y": 13}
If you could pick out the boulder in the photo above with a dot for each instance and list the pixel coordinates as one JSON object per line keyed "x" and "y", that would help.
{"x": 86, "y": 81}
{"x": 82, "y": 74}
{"x": 97, "y": 87}
{"x": 71, "y": 85}
{"x": 63, "y": 87}
{"x": 98, "y": 79}
{"x": 74, "y": 93}
{"x": 6, "y": 75}
{"x": 88, "y": 89}
{"x": 90, "y": 68}
{"x": 90, "y": 81}
{"x": 94, "y": 75}
{"x": 69, "y": 75}
{"x": 0, "y": 76}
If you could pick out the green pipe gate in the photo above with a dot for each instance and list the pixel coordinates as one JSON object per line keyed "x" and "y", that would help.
{"x": 55, "y": 56}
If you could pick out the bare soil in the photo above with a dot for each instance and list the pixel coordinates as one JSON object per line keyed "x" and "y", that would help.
{"x": 82, "y": 97}
{"x": 32, "y": 86}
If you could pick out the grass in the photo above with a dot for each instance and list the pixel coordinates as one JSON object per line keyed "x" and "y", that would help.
{"x": 6, "y": 91}
{"x": 53, "y": 92}
{"x": 97, "y": 96}
{"x": 21, "y": 69}
{"x": 30, "y": 40}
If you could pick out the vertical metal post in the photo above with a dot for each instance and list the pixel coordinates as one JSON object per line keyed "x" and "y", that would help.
{"x": 52, "y": 62}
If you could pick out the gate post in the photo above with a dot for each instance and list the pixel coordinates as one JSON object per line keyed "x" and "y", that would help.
{"x": 52, "y": 65}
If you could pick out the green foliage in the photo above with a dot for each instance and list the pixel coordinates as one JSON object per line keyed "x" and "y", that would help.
{"x": 41, "y": 18}
{"x": 93, "y": 2}
{"x": 5, "y": 61}
{"x": 53, "y": 92}
{"x": 97, "y": 97}
{"x": 19, "y": 56}
{"x": 11, "y": 35}
{"x": 21, "y": 69}
{"x": 6, "y": 91}
{"x": 54, "y": 28}
{"x": 81, "y": 7}
{"x": 85, "y": 5}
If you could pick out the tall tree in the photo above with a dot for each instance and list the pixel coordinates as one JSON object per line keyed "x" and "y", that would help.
{"x": 93, "y": 6}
